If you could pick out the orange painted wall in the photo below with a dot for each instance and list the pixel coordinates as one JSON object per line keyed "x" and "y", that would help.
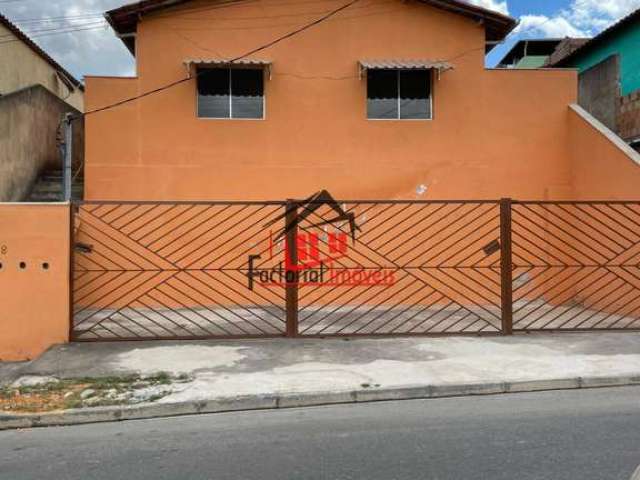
{"x": 605, "y": 168}
{"x": 34, "y": 312}
{"x": 494, "y": 133}
{"x": 601, "y": 170}
{"x": 113, "y": 131}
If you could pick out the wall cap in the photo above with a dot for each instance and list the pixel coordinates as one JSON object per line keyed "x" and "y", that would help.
{"x": 38, "y": 89}
{"x": 541, "y": 69}
{"x": 34, "y": 204}
{"x": 609, "y": 134}
{"x": 112, "y": 77}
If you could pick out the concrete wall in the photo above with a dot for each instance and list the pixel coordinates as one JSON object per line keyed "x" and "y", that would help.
{"x": 22, "y": 67}
{"x": 487, "y": 138}
{"x": 29, "y": 121}
{"x": 623, "y": 43}
{"x": 599, "y": 91}
{"x": 34, "y": 278}
{"x": 629, "y": 117}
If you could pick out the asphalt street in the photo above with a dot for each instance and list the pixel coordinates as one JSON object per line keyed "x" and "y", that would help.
{"x": 583, "y": 434}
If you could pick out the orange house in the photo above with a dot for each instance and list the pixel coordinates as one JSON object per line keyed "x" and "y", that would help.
{"x": 372, "y": 99}
{"x": 383, "y": 99}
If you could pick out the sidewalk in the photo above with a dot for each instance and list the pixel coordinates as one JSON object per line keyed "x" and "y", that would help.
{"x": 233, "y": 375}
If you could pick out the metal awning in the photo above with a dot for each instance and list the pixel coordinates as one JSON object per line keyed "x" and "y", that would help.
{"x": 223, "y": 62}
{"x": 438, "y": 65}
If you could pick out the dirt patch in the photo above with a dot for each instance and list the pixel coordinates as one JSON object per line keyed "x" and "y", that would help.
{"x": 87, "y": 392}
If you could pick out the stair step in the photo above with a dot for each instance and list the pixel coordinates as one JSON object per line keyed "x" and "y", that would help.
{"x": 45, "y": 198}
{"x": 57, "y": 179}
{"x": 74, "y": 194}
{"x": 49, "y": 187}
{"x": 43, "y": 187}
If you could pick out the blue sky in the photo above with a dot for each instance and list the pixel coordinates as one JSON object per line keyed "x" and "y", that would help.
{"x": 518, "y": 8}
{"x": 557, "y": 18}
{"x": 75, "y": 34}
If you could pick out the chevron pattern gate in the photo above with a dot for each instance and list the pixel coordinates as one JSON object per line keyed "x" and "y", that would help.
{"x": 171, "y": 270}
{"x": 190, "y": 270}
{"x": 576, "y": 266}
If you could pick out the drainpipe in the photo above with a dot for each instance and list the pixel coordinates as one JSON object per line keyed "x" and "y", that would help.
{"x": 68, "y": 156}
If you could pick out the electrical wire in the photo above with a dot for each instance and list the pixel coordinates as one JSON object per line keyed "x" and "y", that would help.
{"x": 231, "y": 61}
{"x": 61, "y": 29}
{"x": 282, "y": 15}
{"x": 73, "y": 30}
{"x": 279, "y": 39}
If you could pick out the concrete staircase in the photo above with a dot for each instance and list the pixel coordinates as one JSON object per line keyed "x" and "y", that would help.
{"x": 48, "y": 188}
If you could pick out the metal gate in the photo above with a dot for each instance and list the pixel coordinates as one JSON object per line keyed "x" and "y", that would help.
{"x": 171, "y": 270}
{"x": 189, "y": 270}
{"x": 576, "y": 266}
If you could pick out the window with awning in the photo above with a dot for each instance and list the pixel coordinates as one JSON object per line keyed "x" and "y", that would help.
{"x": 400, "y": 90}
{"x": 230, "y": 90}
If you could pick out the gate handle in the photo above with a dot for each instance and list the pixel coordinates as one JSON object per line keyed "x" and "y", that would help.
{"x": 83, "y": 247}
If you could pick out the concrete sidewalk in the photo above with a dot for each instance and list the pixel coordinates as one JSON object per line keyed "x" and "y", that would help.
{"x": 234, "y": 375}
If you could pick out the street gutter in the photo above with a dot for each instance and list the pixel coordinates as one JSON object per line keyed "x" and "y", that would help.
{"x": 293, "y": 400}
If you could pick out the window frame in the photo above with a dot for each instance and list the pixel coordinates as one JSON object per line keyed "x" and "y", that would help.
{"x": 398, "y": 70}
{"x": 230, "y": 68}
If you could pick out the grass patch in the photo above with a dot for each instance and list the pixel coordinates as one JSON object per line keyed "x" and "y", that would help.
{"x": 68, "y": 393}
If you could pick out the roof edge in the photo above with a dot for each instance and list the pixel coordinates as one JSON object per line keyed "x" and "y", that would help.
{"x": 124, "y": 19}
{"x": 68, "y": 79}
{"x": 623, "y": 22}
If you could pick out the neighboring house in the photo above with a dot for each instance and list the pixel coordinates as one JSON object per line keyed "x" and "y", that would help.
{"x": 537, "y": 53}
{"x": 383, "y": 100}
{"x": 609, "y": 66}
{"x": 35, "y": 93}
{"x": 25, "y": 64}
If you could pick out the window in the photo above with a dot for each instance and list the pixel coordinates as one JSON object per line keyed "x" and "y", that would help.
{"x": 399, "y": 94}
{"x": 231, "y": 93}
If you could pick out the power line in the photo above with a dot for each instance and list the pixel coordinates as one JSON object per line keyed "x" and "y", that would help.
{"x": 184, "y": 11}
{"x": 280, "y": 15}
{"x": 280, "y": 25}
{"x": 46, "y": 34}
{"x": 231, "y": 61}
{"x": 59, "y": 18}
{"x": 60, "y": 28}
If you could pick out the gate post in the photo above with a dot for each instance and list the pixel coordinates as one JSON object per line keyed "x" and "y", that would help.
{"x": 291, "y": 263}
{"x": 73, "y": 208}
{"x": 506, "y": 266}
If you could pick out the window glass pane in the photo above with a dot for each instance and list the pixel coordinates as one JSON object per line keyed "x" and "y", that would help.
{"x": 382, "y": 94}
{"x": 415, "y": 94}
{"x": 213, "y": 93}
{"x": 247, "y": 90}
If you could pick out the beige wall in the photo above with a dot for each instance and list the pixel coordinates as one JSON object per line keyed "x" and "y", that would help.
{"x": 494, "y": 133}
{"x": 34, "y": 312}
{"x": 22, "y": 68}
{"x": 29, "y": 120}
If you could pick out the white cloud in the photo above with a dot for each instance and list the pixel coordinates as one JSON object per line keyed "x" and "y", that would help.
{"x": 92, "y": 49}
{"x": 96, "y": 50}
{"x": 497, "y": 5}
{"x": 553, "y": 27}
{"x": 585, "y": 11}
{"x": 580, "y": 18}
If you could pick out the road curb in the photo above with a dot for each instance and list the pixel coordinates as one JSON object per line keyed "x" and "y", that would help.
{"x": 292, "y": 400}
